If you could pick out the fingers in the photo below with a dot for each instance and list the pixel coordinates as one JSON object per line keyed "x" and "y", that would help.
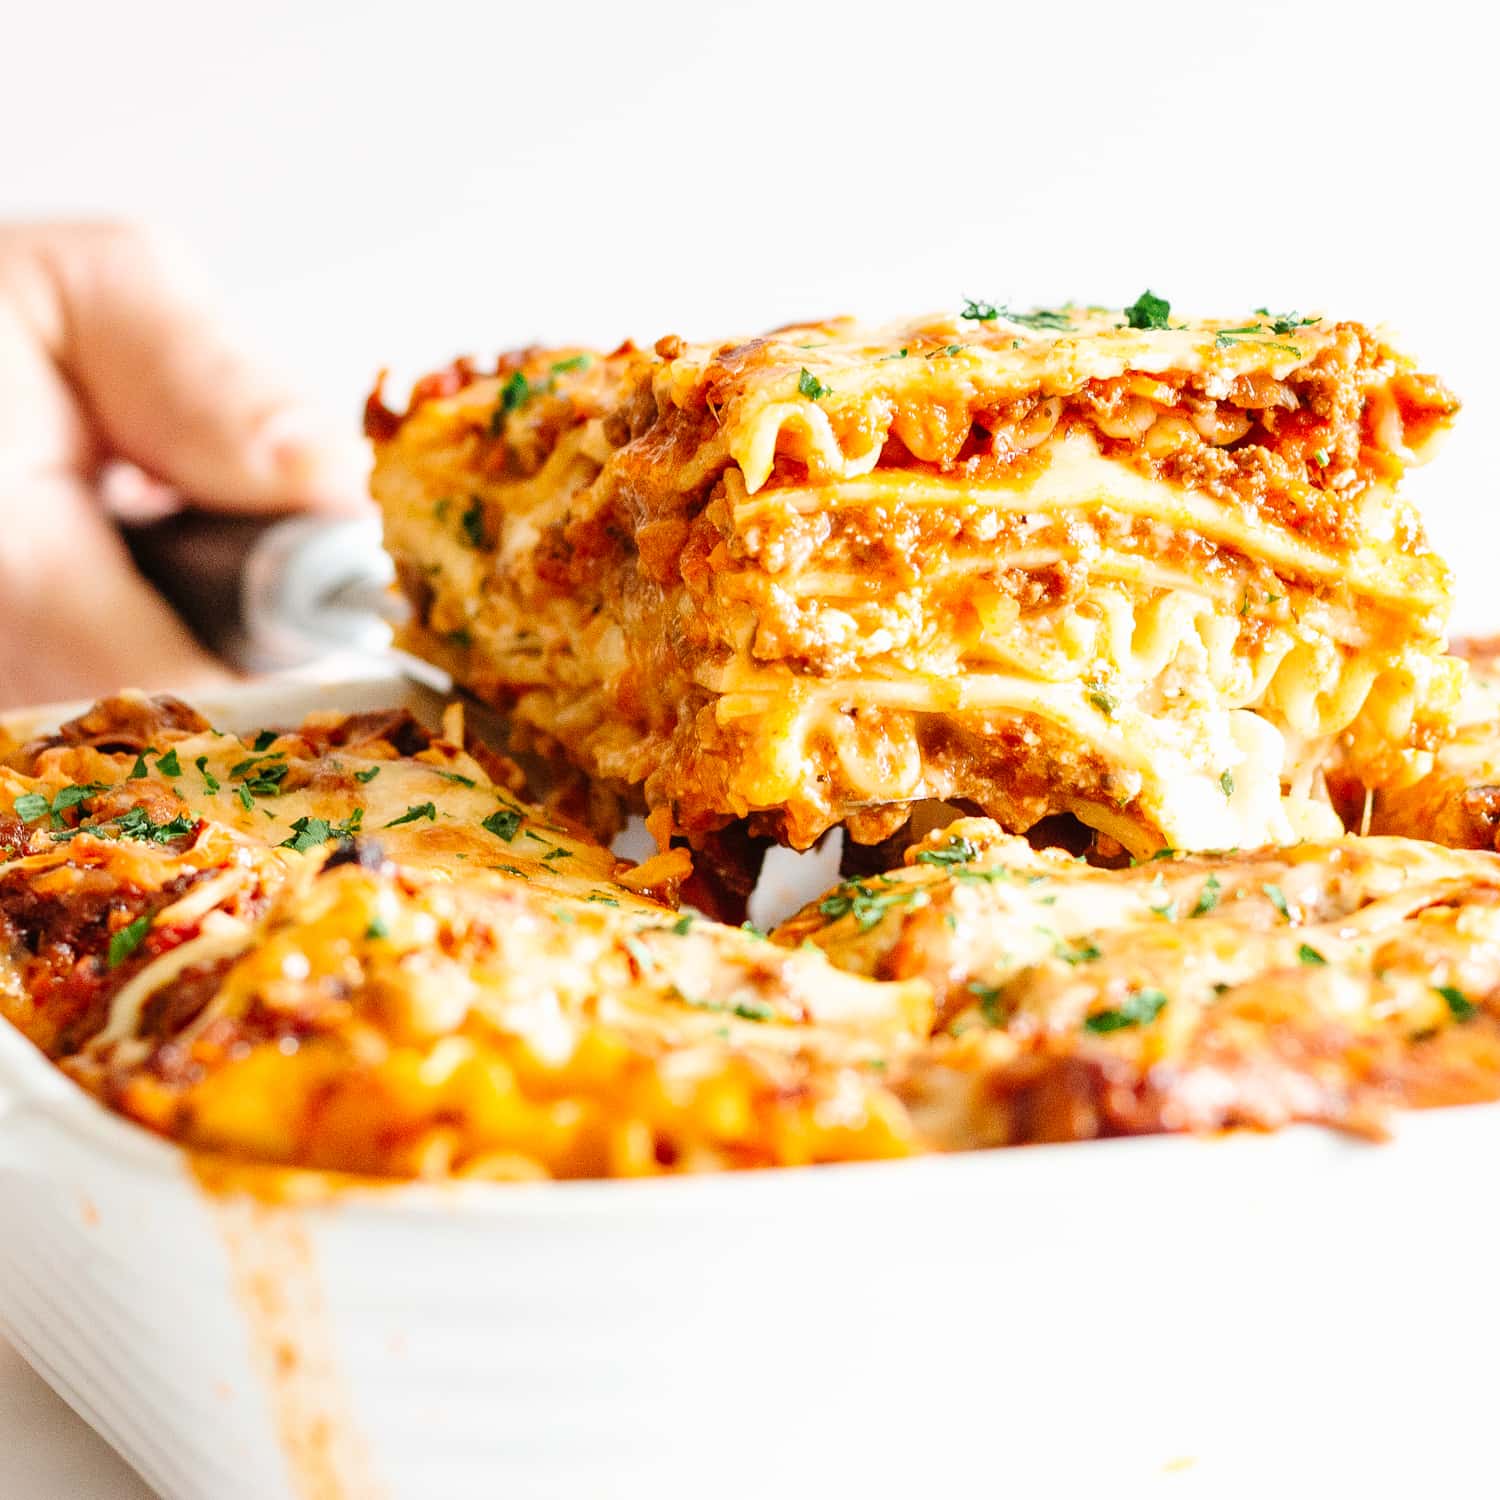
{"x": 168, "y": 387}
{"x": 78, "y": 620}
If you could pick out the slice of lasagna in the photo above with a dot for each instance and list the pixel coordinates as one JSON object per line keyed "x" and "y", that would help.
{"x": 1085, "y": 562}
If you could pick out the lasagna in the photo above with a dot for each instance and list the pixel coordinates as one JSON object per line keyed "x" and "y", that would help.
{"x": 1146, "y": 573}
{"x": 348, "y": 945}
{"x": 1458, "y": 801}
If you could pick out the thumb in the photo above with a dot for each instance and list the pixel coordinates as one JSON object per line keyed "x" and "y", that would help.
{"x": 169, "y": 389}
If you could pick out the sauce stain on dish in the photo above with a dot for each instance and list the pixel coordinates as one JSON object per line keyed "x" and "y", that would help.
{"x": 273, "y": 1273}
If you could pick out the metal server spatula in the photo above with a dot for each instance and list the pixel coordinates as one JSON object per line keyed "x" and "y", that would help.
{"x": 272, "y": 594}
{"x": 268, "y": 593}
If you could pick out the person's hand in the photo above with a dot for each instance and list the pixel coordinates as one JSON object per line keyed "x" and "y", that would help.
{"x": 111, "y": 355}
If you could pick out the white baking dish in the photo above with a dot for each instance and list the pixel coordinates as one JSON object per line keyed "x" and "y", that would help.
{"x": 1292, "y": 1314}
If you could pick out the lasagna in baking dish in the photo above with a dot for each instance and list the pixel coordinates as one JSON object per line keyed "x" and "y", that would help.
{"x": 1146, "y": 572}
{"x": 348, "y": 945}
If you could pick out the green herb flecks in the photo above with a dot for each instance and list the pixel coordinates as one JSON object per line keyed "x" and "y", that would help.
{"x": 472, "y": 523}
{"x": 810, "y": 386}
{"x": 1083, "y": 952}
{"x": 1307, "y": 954}
{"x": 1460, "y": 1007}
{"x": 1052, "y": 319}
{"x": 1208, "y": 898}
{"x": 991, "y": 1001}
{"x": 1148, "y": 311}
{"x": 976, "y": 311}
{"x": 124, "y": 942}
{"x": 1277, "y": 897}
{"x": 210, "y": 781}
{"x": 861, "y": 900}
{"x": 1140, "y": 1009}
{"x": 504, "y": 824}
{"x": 414, "y": 814}
{"x": 31, "y": 806}
{"x": 957, "y": 851}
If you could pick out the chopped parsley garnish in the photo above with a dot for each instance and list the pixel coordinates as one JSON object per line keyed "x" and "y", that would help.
{"x": 1140, "y": 1009}
{"x": 1307, "y": 954}
{"x": 367, "y": 775}
{"x": 899, "y": 354}
{"x": 124, "y": 942}
{"x": 810, "y": 386}
{"x": 31, "y": 806}
{"x": 1104, "y": 702}
{"x": 1163, "y": 907}
{"x": 1287, "y": 322}
{"x": 746, "y": 1010}
{"x": 557, "y": 852}
{"x": 1208, "y": 898}
{"x": 210, "y": 781}
{"x": 140, "y": 770}
{"x": 577, "y": 362}
{"x": 1226, "y": 783}
{"x": 989, "y": 998}
{"x": 1320, "y": 457}
{"x": 1277, "y": 897}
{"x": 867, "y": 905}
{"x": 310, "y": 833}
{"x": 137, "y": 824}
{"x": 472, "y": 523}
{"x": 1227, "y": 338}
{"x": 1460, "y": 1007}
{"x": 168, "y": 764}
{"x": 455, "y": 777}
{"x": 683, "y": 925}
{"x": 378, "y": 928}
{"x": 957, "y": 851}
{"x": 516, "y": 392}
{"x": 264, "y": 740}
{"x": 1039, "y": 317}
{"x": 1148, "y": 311}
{"x": 414, "y": 814}
{"x": 71, "y": 796}
{"x": 979, "y": 312}
{"x": 307, "y": 833}
{"x": 754, "y": 931}
{"x": 1084, "y": 953}
{"x": 600, "y": 899}
{"x": 246, "y": 801}
{"x": 504, "y": 824}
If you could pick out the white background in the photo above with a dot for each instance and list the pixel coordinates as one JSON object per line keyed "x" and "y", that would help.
{"x": 396, "y": 183}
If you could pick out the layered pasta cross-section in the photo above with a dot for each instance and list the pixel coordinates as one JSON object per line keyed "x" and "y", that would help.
{"x": 1149, "y": 573}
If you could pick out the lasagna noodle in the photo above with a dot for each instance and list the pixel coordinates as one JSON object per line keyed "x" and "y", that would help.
{"x": 823, "y": 576}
